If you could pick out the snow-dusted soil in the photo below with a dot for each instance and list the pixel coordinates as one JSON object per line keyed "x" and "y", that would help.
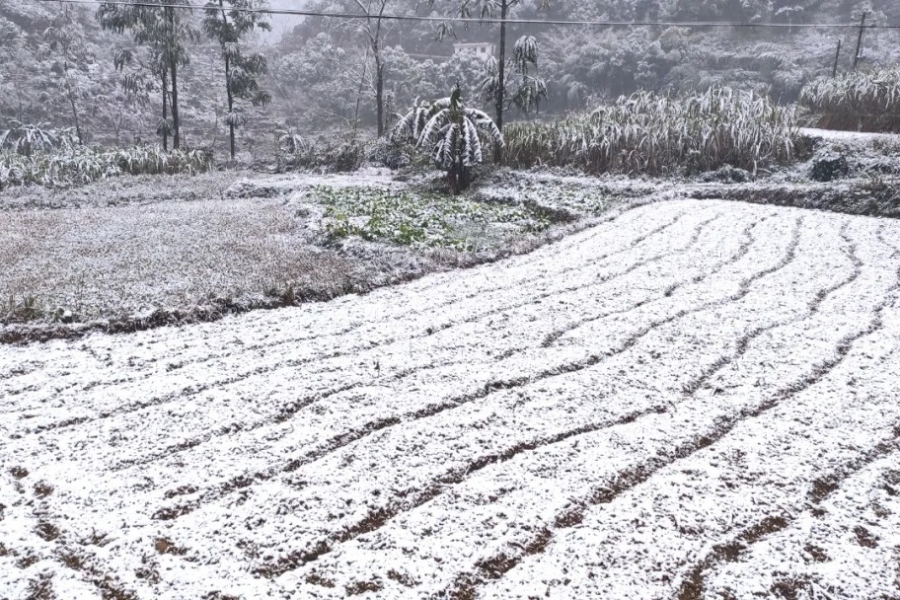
{"x": 835, "y": 134}
{"x": 696, "y": 399}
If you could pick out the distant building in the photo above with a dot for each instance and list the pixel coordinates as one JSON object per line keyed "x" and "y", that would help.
{"x": 484, "y": 50}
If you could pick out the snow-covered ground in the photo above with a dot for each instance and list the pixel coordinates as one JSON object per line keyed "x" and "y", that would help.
{"x": 835, "y": 134}
{"x": 696, "y": 399}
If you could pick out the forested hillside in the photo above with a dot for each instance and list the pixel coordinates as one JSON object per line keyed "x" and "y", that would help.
{"x": 59, "y": 67}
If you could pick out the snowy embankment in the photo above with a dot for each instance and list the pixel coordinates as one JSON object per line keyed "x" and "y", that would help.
{"x": 693, "y": 400}
{"x": 836, "y": 134}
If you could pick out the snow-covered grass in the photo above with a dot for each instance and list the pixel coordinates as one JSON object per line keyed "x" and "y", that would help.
{"x": 696, "y": 399}
{"x": 417, "y": 218}
{"x": 76, "y": 165}
{"x": 647, "y": 133}
{"x": 92, "y": 263}
{"x": 138, "y": 189}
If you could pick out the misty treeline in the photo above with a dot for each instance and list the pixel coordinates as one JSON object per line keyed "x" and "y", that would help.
{"x": 122, "y": 75}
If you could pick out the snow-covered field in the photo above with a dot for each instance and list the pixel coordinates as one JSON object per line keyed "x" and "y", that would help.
{"x": 692, "y": 400}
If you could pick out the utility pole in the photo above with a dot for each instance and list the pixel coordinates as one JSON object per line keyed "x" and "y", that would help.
{"x": 862, "y": 25}
{"x": 837, "y": 55}
{"x": 501, "y": 76}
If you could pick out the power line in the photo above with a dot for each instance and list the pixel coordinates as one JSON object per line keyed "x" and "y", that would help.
{"x": 489, "y": 21}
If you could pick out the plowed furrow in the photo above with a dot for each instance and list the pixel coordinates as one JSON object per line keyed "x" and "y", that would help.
{"x": 743, "y": 342}
{"x": 841, "y": 543}
{"x": 677, "y": 402}
{"x": 409, "y": 500}
{"x": 285, "y": 413}
{"x": 288, "y": 410}
{"x": 748, "y": 241}
{"x": 693, "y": 586}
{"x": 494, "y": 568}
{"x": 344, "y": 439}
{"x": 279, "y": 415}
{"x": 193, "y": 390}
{"x": 416, "y": 498}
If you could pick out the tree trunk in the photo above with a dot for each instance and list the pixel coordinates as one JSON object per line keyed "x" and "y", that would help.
{"x": 379, "y": 68}
{"x": 75, "y": 117}
{"x": 501, "y": 78}
{"x": 69, "y": 84}
{"x": 228, "y": 91}
{"x": 230, "y": 111}
{"x": 379, "y": 92}
{"x": 230, "y": 106}
{"x": 458, "y": 177}
{"x": 173, "y": 67}
{"x": 176, "y": 125}
{"x": 362, "y": 81}
{"x": 165, "y": 107}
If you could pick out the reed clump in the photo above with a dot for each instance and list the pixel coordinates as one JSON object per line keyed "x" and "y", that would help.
{"x": 856, "y": 100}
{"x": 654, "y": 134}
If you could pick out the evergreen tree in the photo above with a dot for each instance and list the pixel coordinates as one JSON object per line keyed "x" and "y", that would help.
{"x": 165, "y": 34}
{"x": 451, "y": 132}
{"x": 227, "y": 22}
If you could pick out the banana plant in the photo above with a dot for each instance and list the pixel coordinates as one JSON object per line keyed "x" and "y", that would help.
{"x": 452, "y": 133}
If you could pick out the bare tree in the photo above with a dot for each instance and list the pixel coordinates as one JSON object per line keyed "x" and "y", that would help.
{"x": 65, "y": 38}
{"x": 374, "y": 31}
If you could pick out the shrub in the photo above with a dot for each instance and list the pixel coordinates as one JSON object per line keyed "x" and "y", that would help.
{"x": 342, "y": 153}
{"x": 828, "y": 165}
{"x": 29, "y": 139}
{"x": 663, "y": 135}
{"x": 857, "y": 100}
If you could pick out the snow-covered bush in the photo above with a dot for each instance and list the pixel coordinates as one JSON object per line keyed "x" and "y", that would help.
{"x": 28, "y": 139}
{"x": 828, "y": 165}
{"x": 857, "y": 100}
{"x": 390, "y": 153}
{"x": 662, "y": 135}
{"x": 452, "y": 133}
{"x": 290, "y": 141}
{"x": 72, "y": 165}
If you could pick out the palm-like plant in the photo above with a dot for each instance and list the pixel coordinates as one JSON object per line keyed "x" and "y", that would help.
{"x": 29, "y": 139}
{"x": 453, "y": 134}
{"x": 523, "y": 88}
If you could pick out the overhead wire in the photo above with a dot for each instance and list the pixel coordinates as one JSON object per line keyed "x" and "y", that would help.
{"x": 182, "y": 4}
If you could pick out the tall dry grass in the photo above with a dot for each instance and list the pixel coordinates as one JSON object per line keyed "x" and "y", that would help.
{"x": 856, "y": 100}
{"x": 647, "y": 133}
